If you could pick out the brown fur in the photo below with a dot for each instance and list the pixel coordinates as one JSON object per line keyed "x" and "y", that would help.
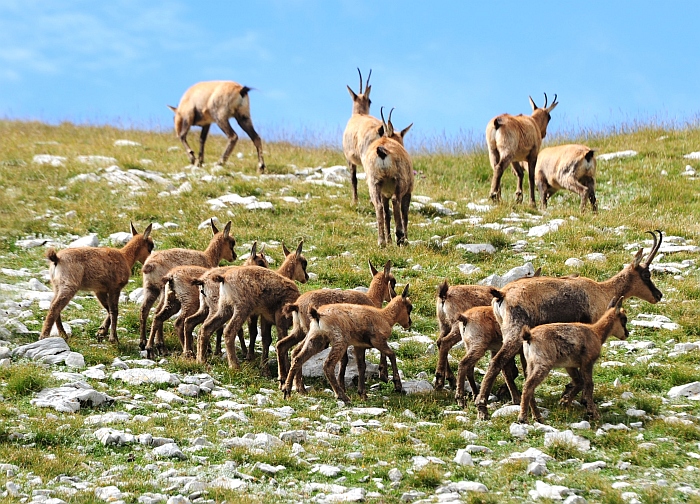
{"x": 575, "y": 347}
{"x": 102, "y": 270}
{"x": 571, "y": 167}
{"x": 180, "y": 294}
{"x": 514, "y": 139}
{"x": 363, "y": 327}
{"x": 159, "y": 263}
{"x": 390, "y": 177}
{"x": 381, "y": 289}
{"x": 216, "y": 102}
{"x": 536, "y": 301}
{"x": 249, "y": 294}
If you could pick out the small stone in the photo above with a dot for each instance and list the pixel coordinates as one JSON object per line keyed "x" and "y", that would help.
{"x": 537, "y": 469}
{"x": 464, "y": 458}
{"x": 395, "y": 475}
{"x": 593, "y": 466}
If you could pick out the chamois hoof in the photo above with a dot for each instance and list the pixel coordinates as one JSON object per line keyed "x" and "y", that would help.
{"x": 287, "y": 394}
{"x": 439, "y": 382}
{"x": 522, "y": 420}
{"x": 189, "y": 355}
{"x": 150, "y": 354}
{"x": 250, "y": 356}
{"x": 114, "y": 341}
{"x": 452, "y": 383}
{"x": 460, "y": 401}
{"x": 261, "y": 168}
{"x": 482, "y": 412}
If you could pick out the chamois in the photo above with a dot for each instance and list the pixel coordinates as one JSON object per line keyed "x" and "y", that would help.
{"x": 250, "y": 290}
{"x": 480, "y": 332}
{"x": 452, "y": 301}
{"x": 160, "y": 262}
{"x": 516, "y": 139}
{"x": 389, "y": 174}
{"x": 103, "y": 270}
{"x": 381, "y": 288}
{"x": 361, "y": 326}
{"x": 181, "y": 295}
{"x": 215, "y": 102}
{"x": 535, "y": 301}
{"x": 571, "y": 167}
{"x": 573, "y": 346}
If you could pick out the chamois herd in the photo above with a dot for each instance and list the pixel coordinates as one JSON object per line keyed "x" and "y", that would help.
{"x": 549, "y": 322}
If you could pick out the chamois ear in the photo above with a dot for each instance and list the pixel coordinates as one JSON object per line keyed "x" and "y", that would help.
{"x": 147, "y": 231}
{"x": 387, "y": 267}
{"x": 133, "y": 229}
{"x": 380, "y": 131}
{"x": 405, "y": 130}
{"x": 352, "y": 94}
{"x": 442, "y": 289}
{"x": 253, "y": 249}
{"x": 589, "y": 155}
{"x": 532, "y": 103}
{"x": 299, "y": 247}
{"x": 367, "y": 91}
{"x": 638, "y": 258}
{"x": 214, "y": 229}
{"x": 227, "y": 229}
{"x": 404, "y": 294}
{"x": 372, "y": 269}
{"x": 616, "y": 303}
{"x": 538, "y": 272}
{"x": 285, "y": 250}
{"x": 463, "y": 319}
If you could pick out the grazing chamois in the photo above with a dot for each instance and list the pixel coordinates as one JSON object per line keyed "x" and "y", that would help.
{"x": 514, "y": 139}
{"x": 573, "y": 346}
{"x": 215, "y": 102}
{"x": 535, "y": 301}
{"x": 381, "y": 288}
{"x": 245, "y": 291}
{"x": 389, "y": 175}
{"x": 363, "y": 327}
{"x": 102, "y": 270}
{"x": 181, "y": 295}
{"x": 571, "y": 167}
{"x": 160, "y": 262}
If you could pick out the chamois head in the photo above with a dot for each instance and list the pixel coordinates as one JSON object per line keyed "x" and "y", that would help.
{"x": 404, "y": 314}
{"x": 387, "y": 128}
{"x": 619, "y": 328}
{"x": 541, "y": 115}
{"x": 361, "y": 101}
{"x": 229, "y": 242}
{"x": 388, "y": 280}
{"x": 641, "y": 285}
{"x": 299, "y": 263}
{"x": 146, "y": 245}
{"x": 255, "y": 258}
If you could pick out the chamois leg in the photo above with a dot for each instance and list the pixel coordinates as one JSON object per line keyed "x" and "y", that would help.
{"x": 376, "y": 197}
{"x": 405, "y": 205}
{"x": 283, "y": 346}
{"x": 185, "y": 337}
{"x": 520, "y": 173}
{"x": 387, "y": 219}
{"x": 219, "y": 337}
{"x": 343, "y": 367}
{"x": 313, "y": 344}
{"x": 213, "y": 322}
{"x": 167, "y": 309}
{"x": 150, "y": 295}
{"x": 383, "y": 368}
{"x": 353, "y": 178}
{"x": 511, "y": 346}
{"x": 572, "y": 388}
{"x": 475, "y": 351}
{"x": 106, "y": 325}
{"x": 591, "y": 196}
{"x": 159, "y": 336}
{"x": 398, "y": 221}
{"x": 543, "y": 188}
{"x": 336, "y": 354}
{"x": 531, "y": 164}
{"x": 536, "y": 374}
{"x": 510, "y": 373}
{"x": 587, "y": 395}
{"x": 246, "y": 125}
{"x": 230, "y": 333}
{"x": 113, "y": 315}
{"x": 361, "y": 372}
{"x": 253, "y": 332}
{"x": 266, "y": 337}
{"x": 381, "y": 344}
{"x": 61, "y": 330}
{"x": 202, "y": 140}
{"x": 232, "y": 139}
{"x": 498, "y": 169}
{"x": 61, "y": 298}
{"x": 182, "y": 127}
{"x": 442, "y": 370}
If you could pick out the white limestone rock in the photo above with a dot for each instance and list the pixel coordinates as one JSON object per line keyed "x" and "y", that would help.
{"x": 616, "y": 155}
{"x": 688, "y": 390}
{"x": 169, "y": 450}
{"x": 139, "y": 376}
{"x": 70, "y": 397}
{"x": 47, "y": 159}
{"x": 567, "y": 437}
{"x": 108, "y": 436}
{"x": 90, "y": 240}
{"x": 463, "y": 457}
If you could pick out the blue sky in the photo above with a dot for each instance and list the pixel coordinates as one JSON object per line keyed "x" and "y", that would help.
{"x": 447, "y": 67}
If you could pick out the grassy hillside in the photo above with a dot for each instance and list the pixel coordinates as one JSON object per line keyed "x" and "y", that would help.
{"x": 643, "y": 192}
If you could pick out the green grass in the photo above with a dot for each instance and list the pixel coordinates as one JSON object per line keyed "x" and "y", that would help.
{"x": 633, "y": 194}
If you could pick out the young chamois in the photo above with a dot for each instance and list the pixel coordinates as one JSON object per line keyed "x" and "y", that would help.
{"x": 381, "y": 288}
{"x": 571, "y": 167}
{"x": 215, "y": 102}
{"x": 514, "y": 139}
{"x": 103, "y": 270}
{"x": 575, "y": 347}
{"x": 452, "y": 301}
{"x": 247, "y": 291}
{"x": 160, "y": 262}
{"x": 181, "y": 295}
{"x": 361, "y": 326}
{"x": 480, "y": 332}
{"x": 535, "y": 301}
{"x": 389, "y": 174}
